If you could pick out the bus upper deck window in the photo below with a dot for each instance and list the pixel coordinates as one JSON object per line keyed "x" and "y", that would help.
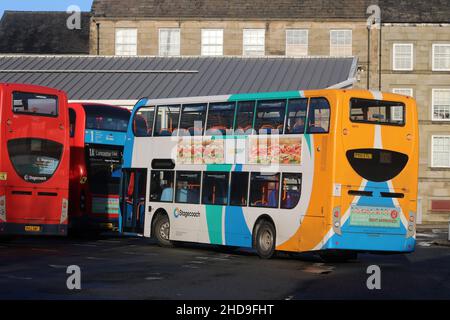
{"x": 220, "y": 118}
{"x": 192, "y": 119}
{"x": 377, "y": 111}
{"x": 35, "y": 104}
{"x": 270, "y": 116}
{"x": 143, "y": 122}
{"x": 167, "y": 118}
{"x": 318, "y": 116}
{"x": 296, "y": 118}
{"x": 244, "y": 117}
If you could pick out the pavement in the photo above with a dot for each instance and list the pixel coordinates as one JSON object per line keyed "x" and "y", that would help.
{"x": 116, "y": 267}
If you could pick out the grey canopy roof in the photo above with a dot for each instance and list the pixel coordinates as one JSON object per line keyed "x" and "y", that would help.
{"x": 130, "y": 78}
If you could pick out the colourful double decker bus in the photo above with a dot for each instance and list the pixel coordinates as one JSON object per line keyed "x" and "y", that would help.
{"x": 97, "y": 137}
{"x": 329, "y": 171}
{"x": 34, "y": 160}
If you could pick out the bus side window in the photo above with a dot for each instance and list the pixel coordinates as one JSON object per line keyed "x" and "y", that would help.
{"x": 167, "y": 118}
{"x": 215, "y": 188}
{"x": 291, "y": 190}
{"x": 161, "y": 187}
{"x": 220, "y": 118}
{"x": 239, "y": 187}
{"x": 244, "y": 117}
{"x": 319, "y": 116}
{"x": 188, "y": 187}
{"x": 143, "y": 122}
{"x": 264, "y": 190}
{"x": 72, "y": 122}
{"x": 296, "y": 118}
{"x": 270, "y": 117}
{"x": 192, "y": 119}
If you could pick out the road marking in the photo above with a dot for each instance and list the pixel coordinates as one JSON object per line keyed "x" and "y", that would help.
{"x": 95, "y": 258}
{"x": 57, "y": 266}
{"x": 190, "y": 266}
{"x": 154, "y": 278}
{"x": 19, "y": 278}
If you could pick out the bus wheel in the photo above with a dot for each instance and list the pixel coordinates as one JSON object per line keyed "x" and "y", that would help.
{"x": 265, "y": 240}
{"x": 162, "y": 230}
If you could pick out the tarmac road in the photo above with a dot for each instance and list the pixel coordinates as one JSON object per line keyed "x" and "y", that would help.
{"x": 114, "y": 267}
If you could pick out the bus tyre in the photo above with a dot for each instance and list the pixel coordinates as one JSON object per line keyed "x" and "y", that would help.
{"x": 265, "y": 240}
{"x": 161, "y": 231}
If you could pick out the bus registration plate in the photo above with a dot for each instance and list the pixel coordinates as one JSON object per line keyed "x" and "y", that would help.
{"x": 366, "y": 216}
{"x": 33, "y": 229}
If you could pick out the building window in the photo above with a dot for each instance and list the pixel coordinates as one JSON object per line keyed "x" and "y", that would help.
{"x": 169, "y": 42}
{"x": 296, "y": 42}
{"x": 126, "y": 42}
{"x": 441, "y": 104}
{"x": 440, "y": 151}
{"x": 340, "y": 42}
{"x": 403, "y": 91}
{"x": 403, "y": 56}
{"x": 212, "y": 42}
{"x": 254, "y": 42}
{"x": 441, "y": 57}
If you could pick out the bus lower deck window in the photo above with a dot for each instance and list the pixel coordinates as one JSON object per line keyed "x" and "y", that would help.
{"x": 215, "y": 188}
{"x": 239, "y": 189}
{"x": 188, "y": 187}
{"x": 161, "y": 188}
{"x": 291, "y": 190}
{"x": 264, "y": 190}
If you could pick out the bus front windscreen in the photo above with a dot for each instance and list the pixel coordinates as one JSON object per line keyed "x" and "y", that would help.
{"x": 106, "y": 118}
{"x": 104, "y": 169}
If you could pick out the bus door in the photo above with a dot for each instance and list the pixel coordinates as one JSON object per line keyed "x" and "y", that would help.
{"x": 134, "y": 187}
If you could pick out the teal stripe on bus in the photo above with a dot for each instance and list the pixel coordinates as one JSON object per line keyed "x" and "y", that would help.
{"x": 266, "y": 95}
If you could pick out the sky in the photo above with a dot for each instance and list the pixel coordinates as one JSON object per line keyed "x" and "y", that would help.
{"x": 43, "y": 5}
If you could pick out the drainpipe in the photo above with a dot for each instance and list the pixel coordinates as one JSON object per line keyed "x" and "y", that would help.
{"x": 379, "y": 57}
{"x": 368, "y": 57}
{"x": 98, "y": 37}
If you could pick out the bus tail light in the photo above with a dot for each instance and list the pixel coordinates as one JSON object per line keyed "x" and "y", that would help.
{"x": 411, "y": 230}
{"x": 64, "y": 211}
{"x": 3, "y": 208}
{"x": 337, "y": 220}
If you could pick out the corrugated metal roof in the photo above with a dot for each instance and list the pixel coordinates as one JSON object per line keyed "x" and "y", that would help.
{"x": 128, "y": 78}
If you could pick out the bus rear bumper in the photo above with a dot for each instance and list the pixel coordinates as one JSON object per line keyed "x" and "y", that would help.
{"x": 371, "y": 242}
{"x": 33, "y": 229}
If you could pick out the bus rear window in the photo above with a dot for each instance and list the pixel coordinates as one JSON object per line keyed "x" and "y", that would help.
{"x": 106, "y": 118}
{"x": 35, "y": 104}
{"x": 377, "y": 112}
{"x": 35, "y": 160}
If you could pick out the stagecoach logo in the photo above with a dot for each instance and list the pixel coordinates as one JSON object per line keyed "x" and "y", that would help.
{"x": 34, "y": 178}
{"x": 187, "y": 214}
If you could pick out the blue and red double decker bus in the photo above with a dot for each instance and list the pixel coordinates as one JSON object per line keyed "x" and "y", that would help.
{"x": 97, "y": 137}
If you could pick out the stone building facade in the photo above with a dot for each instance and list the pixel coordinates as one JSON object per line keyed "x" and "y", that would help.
{"x": 415, "y": 52}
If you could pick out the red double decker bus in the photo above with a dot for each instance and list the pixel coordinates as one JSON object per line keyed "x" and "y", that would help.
{"x": 97, "y": 138}
{"x": 34, "y": 160}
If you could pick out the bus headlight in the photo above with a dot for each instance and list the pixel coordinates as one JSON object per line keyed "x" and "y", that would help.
{"x": 411, "y": 225}
{"x": 3, "y": 208}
